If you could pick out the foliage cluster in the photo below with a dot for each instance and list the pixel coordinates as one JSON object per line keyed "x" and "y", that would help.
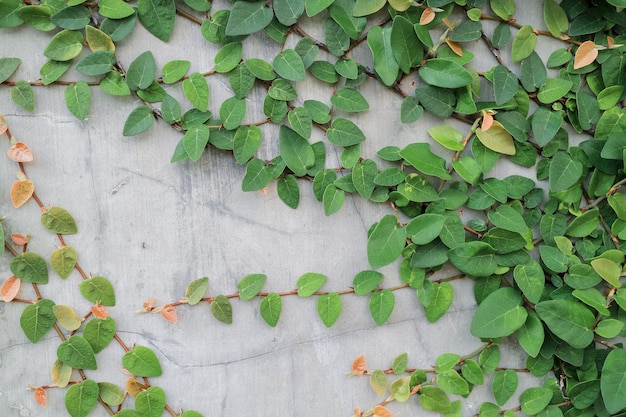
{"x": 546, "y": 258}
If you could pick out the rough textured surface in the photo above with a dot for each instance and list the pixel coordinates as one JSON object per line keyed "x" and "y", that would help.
{"x": 151, "y": 227}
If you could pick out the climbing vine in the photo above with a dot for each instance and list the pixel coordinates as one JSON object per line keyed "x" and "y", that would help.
{"x": 544, "y": 251}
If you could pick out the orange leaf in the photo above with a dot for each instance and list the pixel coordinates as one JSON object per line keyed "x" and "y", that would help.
{"x": 134, "y": 387}
{"x": 10, "y": 287}
{"x": 3, "y": 125}
{"x": 427, "y": 16}
{"x": 381, "y": 411}
{"x": 610, "y": 42}
{"x": 21, "y": 191}
{"x": 169, "y": 313}
{"x": 19, "y": 239}
{"x": 149, "y": 304}
{"x": 357, "y": 412}
{"x": 487, "y": 120}
{"x": 455, "y": 46}
{"x": 20, "y": 152}
{"x": 585, "y": 54}
{"x": 40, "y": 396}
{"x": 358, "y": 366}
{"x": 99, "y": 311}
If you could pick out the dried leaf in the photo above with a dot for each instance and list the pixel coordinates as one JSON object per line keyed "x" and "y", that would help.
{"x": 99, "y": 311}
{"x": 381, "y": 411}
{"x": 134, "y": 387}
{"x": 19, "y": 239}
{"x": 10, "y": 287}
{"x": 358, "y": 366}
{"x": 487, "y": 120}
{"x": 455, "y": 46}
{"x": 169, "y": 313}
{"x": 585, "y": 54}
{"x": 148, "y": 305}
{"x": 20, "y": 152}
{"x": 427, "y": 16}
{"x": 3, "y": 125}
{"x": 40, "y": 396}
{"x": 21, "y": 191}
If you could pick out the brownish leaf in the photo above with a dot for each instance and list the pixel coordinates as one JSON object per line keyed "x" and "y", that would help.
{"x": 99, "y": 311}
{"x": 358, "y": 366}
{"x": 487, "y": 120}
{"x": 585, "y": 54}
{"x": 40, "y": 396}
{"x": 10, "y": 287}
{"x": 19, "y": 240}
{"x": 455, "y": 46}
{"x": 381, "y": 411}
{"x": 169, "y": 313}
{"x": 20, "y": 152}
{"x": 134, "y": 387}
{"x": 21, "y": 191}
{"x": 148, "y": 305}
{"x": 427, "y": 16}
{"x": 3, "y": 125}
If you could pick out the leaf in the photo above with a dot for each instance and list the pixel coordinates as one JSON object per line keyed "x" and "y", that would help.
{"x": 507, "y": 218}
{"x": 288, "y": 11}
{"x": 81, "y": 398}
{"x": 98, "y": 290}
{"x": 196, "y": 90}
{"x": 23, "y": 95}
{"x": 472, "y": 372}
{"x": 447, "y": 136}
{"x": 329, "y": 308}
{"x": 381, "y": 411}
{"x": 195, "y": 141}
{"x": 530, "y": 279}
{"x": 385, "y": 242}
{"x": 295, "y": 151}
{"x": 613, "y": 381}
{"x": 585, "y": 54}
{"x": 40, "y": 396}
{"x": 114, "y": 84}
{"x": 440, "y": 302}
{"x": 232, "y": 112}
{"x": 138, "y": 121}
{"x": 99, "y": 333}
{"x": 257, "y": 176}
{"x": 553, "y": 90}
{"x": 58, "y": 220}
{"x": 608, "y": 270}
{"x": 114, "y": 9}
{"x": 310, "y": 283}
{"x": 367, "y": 7}
{"x": 523, "y": 43}
{"x": 568, "y": 320}
{"x": 66, "y": 317}
{"x": 444, "y": 73}
{"x": 250, "y": 286}
{"x": 271, "y": 307}
{"x": 73, "y": 17}
{"x": 381, "y": 305}
{"x": 63, "y": 261}
{"x": 555, "y": 18}
{"x": 378, "y": 382}
{"x": 222, "y": 309}
{"x": 313, "y": 7}
{"x": 37, "y": 319}
{"x": 363, "y": 174}
{"x": 141, "y": 72}
{"x": 175, "y": 70}
{"x": 564, "y": 172}
{"x": 96, "y": 63}
{"x": 196, "y": 290}
{"x": 8, "y": 67}
{"x": 30, "y": 267}
{"x": 248, "y": 17}
{"x": 432, "y": 398}
{"x": 366, "y": 281}
{"x": 451, "y": 382}
{"x": 288, "y": 191}
{"x": 158, "y": 17}
{"x": 385, "y": 65}
{"x": 350, "y": 100}
{"x": 246, "y": 142}
{"x": 77, "y": 353}
{"x": 474, "y": 258}
{"x": 533, "y": 400}
{"x": 424, "y": 160}
{"x": 505, "y": 84}
{"x": 110, "y": 393}
{"x": 64, "y": 46}
{"x": 499, "y": 315}
{"x": 10, "y": 288}
{"x": 497, "y": 139}
{"x": 410, "y": 110}
{"x": 504, "y": 385}
{"x": 141, "y": 361}
{"x": 545, "y": 124}
{"x": 228, "y": 57}
{"x": 151, "y": 402}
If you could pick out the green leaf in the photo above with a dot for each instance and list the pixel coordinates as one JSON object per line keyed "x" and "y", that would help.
{"x": 142, "y": 361}
{"x": 553, "y": 89}
{"x": 472, "y": 372}
{"x": 344, "y": 132}
{"x": 158, "y": 17}
{"x": 170, "y": 110}
{"x": 366, "y": 281}
{"x": 228, "y": 57}
{"x": 329, "y": 308}
{"x": 504, "y": 385}
{"x": 114, "y": 84}
{"x": 63, "y": 261}
{"x": 77, "y": 353}
{"x": 58, "y": 220}
{"x": 250, "y": 286}
{"x": 301, "y": 121}
{"x": 99, "y": 333}
{"x": 257, "y": 176}
{"x": 468, "y": 169}
{"x": 196, "y": 290}
{"x": 474, "y": 258}
{"x": 497, "y": 139}
{"x": 350, "y": 100}
{"x": 440, "y": 302}
{"x": 584, "y": 224}
{"x": 289, "y": 65}
{"x": 467, "y": 31}
{"x": 407, "y": 49}
{"x": 38, "y": 16}
{"x": 410, "y": 110}
{"x": 110, "y": 393}
{"x": 8, "y": 67}
{"x": 151, "y": 402}
{"x": 241, "y": 80}
{"x": 447, "y": 136}
{"x": 503, "y": 8}
{"x": 141, "y": 72}
{"x": 444, "y": 73}
{"x": 175, "y": 70}
{"x": 507, "y": 218}
{"x": 332, "y": 199}
{"x": 195, "y": 141}
{"x": 425, "y": 228}
{"x": 381, "y": 306}
{"x": 196, "y": 90}
{"x": 288, "y": 11}
{"x": 523, "y": 43}
{"x": 246, "y": 142}
{"x": 608, "y": 270}
{"x": 533, "y": 400}
{"x": 222, "y": 309}
{"x": 367, "y": 7}
{"x": 531, "y": 335}
{"x": 271, "y": 307}
{"x": 555, "y": 18}
{"x": 363, "y": 175}
{"x": 609, "y": 328}
{"x": 248, "y": 17}
{"x": 564, "y": 172}
{"x": 81, "y": 398}
{"x": 385, "y": 65}
{"x": 530, "y": 279}
{"x": 37, "y": 319}
{"x": 295, "y": 151}
{"x": 588, "y": 109}
{"x": 451, "y": 382}
{"x": 385, "y": 242}
{"x": 310, "y": 283}
{"x": 72, "y": 18}
{"x": 432, "y": 398}
{"x": 96, "y": 63}
{"x": 288, "y": 191}
{"x": 232, "y": 112}
{"x": 23, "y": 95}
{"x": 568, "y": 320}
{"x": 505, "y": 84}
{"x": 98, "y": 290}
{"x": 64, "y": 46}
{"x": 115, "y": 9}
{"x": 30, "y": 267}
{"x": 613, "y": 381}
{"x": 607, "y": 98}
{"x": 421, "y": 157}
{"x": 78, "y": 99}
{"x": 499, "y": 315}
